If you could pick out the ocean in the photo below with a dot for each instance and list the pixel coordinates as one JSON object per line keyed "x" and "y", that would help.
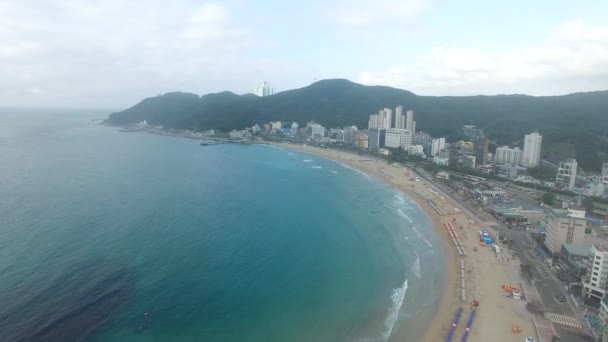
{"x": 121, "y": 236}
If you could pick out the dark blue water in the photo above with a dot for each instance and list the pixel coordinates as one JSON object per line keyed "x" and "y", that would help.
{"x": 218, "y": 243}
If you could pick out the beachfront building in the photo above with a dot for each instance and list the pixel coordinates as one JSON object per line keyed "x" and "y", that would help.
{"x": 605, "y": 169}
{"x": 377, "y": 138}
{"x": 316, "y": 131}
{"x": 276, "y": 126}
{"x": 294, "y": 128}
{"x": 565, "y": 226}
{"x": 350, "y": 134}
{"x": 507, "y": 155}
{"x": 566, "y": 174}
{"x": 436, "y": 146}
{"x": 398, "y": 138}
{"x": 362, "y": 140}
{"x": 596, "y": 281}
{"x": 532, "y": 145}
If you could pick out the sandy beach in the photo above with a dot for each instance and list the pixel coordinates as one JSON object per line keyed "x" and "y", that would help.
{"x": 484, "y": 273}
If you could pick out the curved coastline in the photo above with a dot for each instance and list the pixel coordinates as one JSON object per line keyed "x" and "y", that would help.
{"x": 448, "y": 302}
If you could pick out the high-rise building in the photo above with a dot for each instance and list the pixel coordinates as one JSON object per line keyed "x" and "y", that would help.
{"x": 565, "y": 226}
{"x": 264, "y": 89}
{"x": 399, "y": 118}
{"x": 377, "y": 137}
{"x": 386, "y": 118}
{"x": 532, "y": 145}
{"x": 398, "y": 138}
{"x": 605, "y": 169}
{"x": 410, "y": 124}
{"x": 597, "y": 274}
{"x": 436, "y": 146}
{"x": 566, "y": 174}
{"x": 507, "y": 155}
{"x": 374, "y": 121}
{"x": 481, "y": 150}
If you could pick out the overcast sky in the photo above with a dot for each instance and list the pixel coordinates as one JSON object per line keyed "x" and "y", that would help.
{"x": 114, "y": 53}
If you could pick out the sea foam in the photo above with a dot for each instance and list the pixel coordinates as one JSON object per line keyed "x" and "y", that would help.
{"x": 393, "y": 312}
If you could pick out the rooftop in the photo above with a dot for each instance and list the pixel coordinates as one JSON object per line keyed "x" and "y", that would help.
{"x": 577, "y": 250}
{"x": 568, "y": 213}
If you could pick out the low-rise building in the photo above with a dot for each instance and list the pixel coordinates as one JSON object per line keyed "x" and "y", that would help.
{"x": 565, "y": 226}
{"x": 441, "y": 161}
{"x": 576, "y": 258}
{"x": 415, "y": 150}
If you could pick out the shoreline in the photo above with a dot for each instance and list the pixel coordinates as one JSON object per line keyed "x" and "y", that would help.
{"x": 438, "y": 327}
{"x": 484, "y": 272}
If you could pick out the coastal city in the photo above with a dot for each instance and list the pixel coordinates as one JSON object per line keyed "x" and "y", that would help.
{"x": 548, "y": 225}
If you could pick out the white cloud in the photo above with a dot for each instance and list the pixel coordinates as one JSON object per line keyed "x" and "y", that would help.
{"x": 113, "y": 52}
{"x": 574, "y": 57}
{"x": 361, "y": 13}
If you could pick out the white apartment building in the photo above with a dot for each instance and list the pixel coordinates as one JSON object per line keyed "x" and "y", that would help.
{"x": 507, "y": 155}
{"x": 605, "y": 169}
{"x": 566, "y": 174}
{"x": 386, "y": 118}
{"x": 532, "y": 145}
{"x": 374, "y": 121}
{"x": 410, "y": 124}
{"x": 316, "y": 131}
{"x": 565, "y": 226}
{"x": 597, "y": 274}
{"x": 398, "y": 138}
{"x": 399, "y": 118}
{"x": 264, "y": 89}
{"x": 436, "y": 146}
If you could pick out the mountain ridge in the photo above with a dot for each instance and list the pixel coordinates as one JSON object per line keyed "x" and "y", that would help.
{"x": 575, "y": 122}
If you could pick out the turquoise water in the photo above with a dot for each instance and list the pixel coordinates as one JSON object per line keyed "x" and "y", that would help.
{"x": 217, "y": 243}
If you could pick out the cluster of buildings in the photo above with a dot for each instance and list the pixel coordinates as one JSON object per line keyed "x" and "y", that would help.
{"x": 264, "y": 89}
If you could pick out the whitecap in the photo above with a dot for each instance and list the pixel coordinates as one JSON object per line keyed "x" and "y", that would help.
{"x": 356, "y": 170}
{"x": 416, "y": 268}
{"x": 393, "y": 311}
{"x": 332, "y": 171}
{"x": 402, "y": 214}
{"x": 307, "y": 160}
{"x": 316, "y": 167}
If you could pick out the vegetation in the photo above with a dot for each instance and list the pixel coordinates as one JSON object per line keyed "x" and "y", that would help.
{"x": 549, "y": 198}
{"x": 543, "y": 172}
{"x": 573, "y": 125}
{"x": 526, "y": 272}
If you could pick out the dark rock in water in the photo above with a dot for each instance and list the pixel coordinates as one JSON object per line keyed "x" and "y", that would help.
{"x": 69, "y": 307}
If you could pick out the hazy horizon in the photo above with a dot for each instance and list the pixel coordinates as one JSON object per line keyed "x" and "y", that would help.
{"x": 56, "y": 53}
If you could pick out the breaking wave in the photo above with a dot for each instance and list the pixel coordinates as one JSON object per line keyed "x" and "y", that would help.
{"x": 393, "y": 312}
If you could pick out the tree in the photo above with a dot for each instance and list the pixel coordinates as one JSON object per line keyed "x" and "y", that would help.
{"x": 588, "y": 204}
{"x": 548, "y": 198}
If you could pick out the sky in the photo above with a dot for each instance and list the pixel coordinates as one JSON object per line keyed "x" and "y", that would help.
{"x": 115, "y": 53}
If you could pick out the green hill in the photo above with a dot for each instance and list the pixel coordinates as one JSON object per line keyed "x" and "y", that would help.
{"x": 574, "y": 125}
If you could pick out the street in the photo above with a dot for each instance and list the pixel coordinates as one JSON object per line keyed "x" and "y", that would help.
{"x": 547, "y": 285}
